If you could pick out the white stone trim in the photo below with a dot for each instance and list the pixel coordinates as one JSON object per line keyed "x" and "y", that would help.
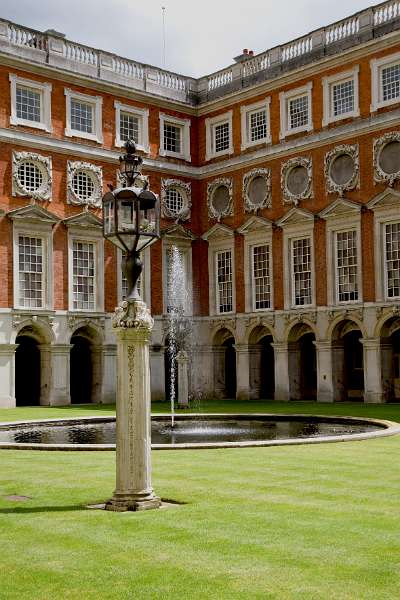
{"x": 184, "y": 125}
{"x": 44, "y": 164}
{"x": 185, "y": 189}
{"x": 379, "y": 144}
{"x": 328, "y": 83}
{"x": 284, "y": 99}
{"x": 95, "y": 173}
{"x": 382, "y": 216}
{"x": 286, "y": 168}
{"x": 44, "y": 232}
{"x": 354, "y": 182}
{"x": 252, "y": 239}
{"x": 96, "y": 238}
{"x": 145, "y": 277}
{"x": 45, "y": 102}
{"x": 96, "y": 102}
{"x": 210, "y": 124}
{"x": 245, "y": 112}
{"x": 247, "y": 179}
{"x": 142, "y": 114}
{"x": 212, "y": 186}
{"x": 377, "y": 64}
{"x": 290, "y": 234}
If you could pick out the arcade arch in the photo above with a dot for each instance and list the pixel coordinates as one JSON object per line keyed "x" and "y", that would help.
{"x": 86, "y": 365}
{"x": 261, "y": 363}
{"x": 347, "y": 362}
{"x": 224, "y": 352}
{"x": 302, "y": 363}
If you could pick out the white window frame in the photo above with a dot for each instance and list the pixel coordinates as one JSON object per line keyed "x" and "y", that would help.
{"x": 184, "y": 125}
{"x": 76, "y": 234}
{"x": 328, "y": 83}
{"x": 96, "y": 102}
{"x": 211, "y": 124}
{"x": 383, "y": 217}
{"x": 285, "y": 98}
{"x": 44, "y": 232}
{"x": 246, "y": 112}
{"x": 252, "y": 240}
{"x": 185, "y": 248}
{"x": 44, "y": 89}
{"x": 215, "y": 247}
{"x": 333, "y": 227}
{"x": 142, "y": 114}
{"x": 377, "y": 64}
{"x": 145, "y": 277}
{"x": 290, "y": 234}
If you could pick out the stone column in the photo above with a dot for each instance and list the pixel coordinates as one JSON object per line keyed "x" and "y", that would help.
{"x": 255, "y": 367}
{"x": 97, "y": 374}
{"x": 133, "y": 324}
{"x": 59, "y": 393}
{"x": 108, "y": 360}
{"x": 182, "y": 361}
{"x": 7, "y": 375}
{"x": 46, "y": 374}
{"x": 281, "y": 354}
{"x": 324, "y": 372}
{"x": 338, "y": 371}
{"x": 295, "y": 375}
{"x": 219, "y": 371}
{"x": 373, "y": 392}
{"x": 388, "y": 387}
{"x": 157, "y": 372}
{"x": 242, "y": 372}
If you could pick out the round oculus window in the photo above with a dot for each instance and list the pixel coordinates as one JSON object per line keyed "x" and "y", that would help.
{"x": 174, "y": 201}
{"x": 342, "y": 169}
{"x": 221, "y": 199}
{"x": 297, "y": 180}
{"x": 83, "y": 185}
{"x": 257, "y": 190}
{"x": 30, "y": 176}
{"x": 389, "y": 158}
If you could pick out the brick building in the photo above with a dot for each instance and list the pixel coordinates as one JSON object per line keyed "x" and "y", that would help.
{"x": 279, "y": 182}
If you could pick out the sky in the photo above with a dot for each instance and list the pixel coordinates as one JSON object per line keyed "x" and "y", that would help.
{"x": 201, "y": 36}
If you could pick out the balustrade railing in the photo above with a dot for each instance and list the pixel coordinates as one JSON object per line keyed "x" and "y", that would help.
{"x": 386, "y": 12}
{"x": 256, "y": 64}
{"x": 220, "y": 79}
{"x": 296, "y": 48}
{"x": 127, "y": 68}
{"x": 342, "y": 30}
{"x": 21, "y": 36}
{"x": 79, "y": 53}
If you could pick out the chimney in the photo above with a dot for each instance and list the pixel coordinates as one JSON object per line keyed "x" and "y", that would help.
{"x": 244, "y": 56}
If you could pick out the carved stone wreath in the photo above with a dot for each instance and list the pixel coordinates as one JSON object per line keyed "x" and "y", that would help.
{"x": 342, "y": 169}
{"x": 185, "y": 190}
{"x": 41, "y": 165}
{"x": 296, "y": 180}
{"x": 96, "y": 176}
{"x": 219, "y": 201}
{"x": 263, "y": 190}
{"x": 392, "y": 171}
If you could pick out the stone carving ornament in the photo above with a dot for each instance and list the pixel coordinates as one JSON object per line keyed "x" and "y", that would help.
{"x": 296, "y": 180}
{"x": 185, "y": 192}
{"x": 220, "y": 198}
{"x": 342, "y": 169}
{"x": 31, "y": 175}
{"x": 387, "y": 158}
{"x": 89, "y": 190}
{"x": 257, "y": 190}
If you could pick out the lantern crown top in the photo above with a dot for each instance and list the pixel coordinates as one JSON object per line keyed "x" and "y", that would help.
{"x": 130, "y": 164}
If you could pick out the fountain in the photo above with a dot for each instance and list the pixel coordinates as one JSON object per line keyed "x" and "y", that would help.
{"x": 179, "y": 325}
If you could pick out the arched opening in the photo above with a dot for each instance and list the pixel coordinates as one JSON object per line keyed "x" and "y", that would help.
{"x": 261, "y": 364}
{"x": 302, "y": 363}
{"x": 347, "y": 362}
{"x": 85, "y": 367}
{"x": 390, "y": 360}
{"x": 27, "y": 371}
{"x": 224, "y": 364}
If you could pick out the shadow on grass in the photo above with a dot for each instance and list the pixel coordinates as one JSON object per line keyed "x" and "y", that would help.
{"x": 40, "y": 509}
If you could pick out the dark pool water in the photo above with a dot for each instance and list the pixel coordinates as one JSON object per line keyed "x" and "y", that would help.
{"x": 185, "y": 431}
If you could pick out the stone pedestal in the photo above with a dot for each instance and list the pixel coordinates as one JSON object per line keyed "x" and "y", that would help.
{"x": 324, "y": 372}
{"x": 182, "y": 360}
{"x": 373, "y": 392}
{"x": 282, "y": 393}
{"x": 133, "y": 325}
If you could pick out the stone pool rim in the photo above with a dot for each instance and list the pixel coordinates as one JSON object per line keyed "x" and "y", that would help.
{"x": 387, "y": 428}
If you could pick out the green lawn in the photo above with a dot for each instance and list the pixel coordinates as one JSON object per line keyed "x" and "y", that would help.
{"x": 300, "y": 522}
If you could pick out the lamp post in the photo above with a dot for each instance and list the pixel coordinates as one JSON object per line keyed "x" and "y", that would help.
{"x": 131, "y": 221}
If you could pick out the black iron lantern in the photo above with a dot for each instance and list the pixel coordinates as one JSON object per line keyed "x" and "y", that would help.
{"x": 131, "y": 216}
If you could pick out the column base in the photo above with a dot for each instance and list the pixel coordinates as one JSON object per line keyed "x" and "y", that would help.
{"x": 132, "y": 502}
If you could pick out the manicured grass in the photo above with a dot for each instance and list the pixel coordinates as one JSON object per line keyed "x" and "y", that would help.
{"x": 302, "y": 522}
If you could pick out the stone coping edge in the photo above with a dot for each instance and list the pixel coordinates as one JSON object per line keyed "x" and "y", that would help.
{"x": 388, "y": 428}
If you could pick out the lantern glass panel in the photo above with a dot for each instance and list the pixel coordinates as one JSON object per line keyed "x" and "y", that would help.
{"x": 108, "y": 216}
{"x": 126, "y": 216}
{"x": 148, "y": 221}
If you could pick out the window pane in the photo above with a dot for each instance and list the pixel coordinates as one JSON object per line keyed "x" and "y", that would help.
{"x": 30, "y": 176}
{"x": 172, "y": 138}
{"x": 83, "y": 276}
{"x": 81, "y": 116}
{"x": 261, "y": 276}
{"x": 128, "y": 127}
{"x": 298, "y": 112}
{"x": 301, "y": 271}
{"x": 30, "y": 255}
{"x": 346, "y": 266}
{"x": 174, "y": 201}
{"x": 221, "y": 135}
{"x": 391, "y": 82}
{"x": 393, "y": 260}
{"x": 224, "y": 281}
{"x": 28, "y": 104}
{"x": 258, "y": 125}
{"x": 343, "y": 97}
{"x": 83, "y": 185}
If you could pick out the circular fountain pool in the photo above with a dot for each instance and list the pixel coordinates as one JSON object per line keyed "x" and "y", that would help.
{"x": 194, "y": 431}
